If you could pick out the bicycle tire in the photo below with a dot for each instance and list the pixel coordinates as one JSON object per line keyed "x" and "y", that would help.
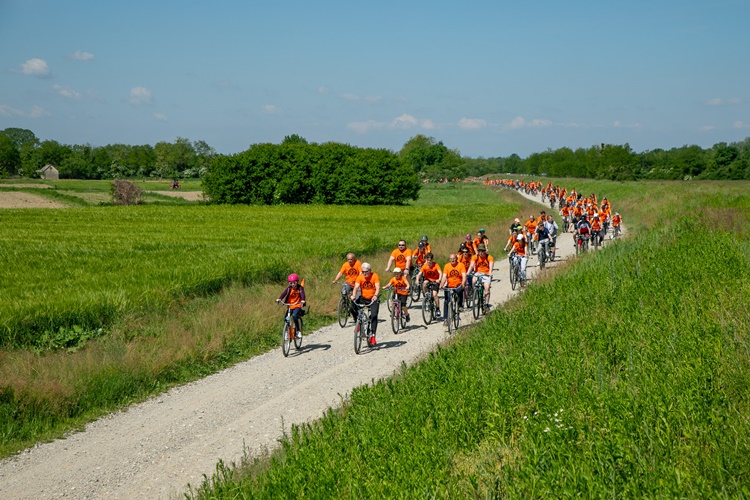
{"x": 286, "y": 342}
{"x": 389, "y": 298}
{"x": 542, "y": 257}
{"x": 477, "y": 306}
{"x": 395, "y": 318}
{"x": 416, "y": 290}
{"x": 343, "y": 311}
{"x": 358, "y": 336}
{"x": 402, "y": 317}
{"x": 514, "y": 276}
{"x": 426, "y": 315}
{"x": 298, "y": 340}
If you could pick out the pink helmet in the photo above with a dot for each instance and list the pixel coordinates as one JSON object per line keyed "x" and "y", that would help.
{"x": 292, "y": 277}
{"x": 468, "y": 237}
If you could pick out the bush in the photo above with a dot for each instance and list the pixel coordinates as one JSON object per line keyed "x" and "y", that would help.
{"x": 126, "y": 193}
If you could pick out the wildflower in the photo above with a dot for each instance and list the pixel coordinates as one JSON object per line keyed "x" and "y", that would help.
{"x": 546, "y": 429}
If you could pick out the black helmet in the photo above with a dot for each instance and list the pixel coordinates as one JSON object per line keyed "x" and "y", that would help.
{"x": 424, "y": 238}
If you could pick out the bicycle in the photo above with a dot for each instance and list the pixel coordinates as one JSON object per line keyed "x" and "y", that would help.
{"x": 428, "y": 306}
{"x": 582, "y": 244}
{"x": 345, "y": 304}
{"x": 289, "y": 335}
{"x": 468, "y": 292}
{"x": 615, "y": 231}
{"x": 478, "y": 306}
{"x": 543, "y": 255}
{"x": 415, "y": 288}
{"x": 453, "y": 316}
{"x": 362, "y": 328}
{"x": 398, "y": 319}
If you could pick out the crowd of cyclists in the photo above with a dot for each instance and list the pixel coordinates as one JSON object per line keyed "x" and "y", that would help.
{"x": 472, "y": 264}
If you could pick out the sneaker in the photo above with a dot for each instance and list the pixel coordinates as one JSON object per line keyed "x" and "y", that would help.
{"x": 437, "y": 314}
{"x": 408, "y": 318}
{"x": 299, "y": 334}
{"x": 372, "y": 340}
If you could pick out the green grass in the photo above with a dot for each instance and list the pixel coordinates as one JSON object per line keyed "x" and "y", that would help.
{"x": 83, "y": 268}
{"x": 106, "y": 305}
{"x": 624, "y": 377}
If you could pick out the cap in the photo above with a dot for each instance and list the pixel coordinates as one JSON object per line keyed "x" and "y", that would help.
{"x": 481, "y": 247}
{"x": 396, "y": 269}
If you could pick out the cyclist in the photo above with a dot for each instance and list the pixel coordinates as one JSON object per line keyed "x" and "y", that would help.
{"x": 616, "y": 221}
{"x": 294, "y": 295}
{"x": 583, "y": 229}
{"x": 552, "y": 229}
{"x": 596, "y": 229}
{"x": 454, "y": 276}
{"x": 483, "y": 263}
{"x": 512, "y": 238}
{"x": 431, "y": 274}
{"x": 350, "y": 269}
{"x": 469, "y": 245}
{"x": 417, "y": 256}
{"x": 367, "y": 291}
{"x": 424, "y": 239}
{"x": 519, "y": 252}
{"x": 515, "y": 226}
{"x": 400, "y": 284}
{"x": 543, "y": 237}
{"x": 401, "y": 257}
{"x": 530, "y": 227}
{"x": 481, "y": 239}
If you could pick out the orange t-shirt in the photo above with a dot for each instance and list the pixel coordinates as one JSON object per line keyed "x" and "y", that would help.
{"x": 466, "y": 261}
{"x": 616, "y": 220}
{"x": 530, "y": 226}
{"x": 482, "y": 265}
{"x": 420, "y": 256}
{"x": 400, "y": 285}
{"x": 294, "y": 298}
{"x": 596, "y": 225}
{"x": 431, "y": 273}
{"x": 351, "y": 272}
{"x": 520, "y": 248}
{"x": 400, "y": 258}
{"x": 454, "y": 274}
{"x": 367, "y": 285}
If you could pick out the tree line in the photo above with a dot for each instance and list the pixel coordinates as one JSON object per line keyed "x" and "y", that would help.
{"x": 619, "y": 162}
{"x": 296, "y": 171}
{"x": 22, "y": 153}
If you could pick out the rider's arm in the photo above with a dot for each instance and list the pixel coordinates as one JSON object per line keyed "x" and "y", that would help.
{"x": 355, "y": 289}
{"x": 337, "y": 277}
{"x": 388, "y": 266}
{"x": 377, "y": 291}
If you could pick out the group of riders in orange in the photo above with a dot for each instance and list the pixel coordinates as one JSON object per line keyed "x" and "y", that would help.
{"x": 472, "y": 264}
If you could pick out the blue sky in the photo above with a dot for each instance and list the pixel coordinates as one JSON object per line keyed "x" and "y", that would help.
{"x": 488, "y": 78}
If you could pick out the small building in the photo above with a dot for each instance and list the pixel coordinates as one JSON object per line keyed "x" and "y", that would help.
{"x": 48, "y": 172}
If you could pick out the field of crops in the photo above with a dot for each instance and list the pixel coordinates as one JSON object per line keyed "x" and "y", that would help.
{"x": 624, "y": 377}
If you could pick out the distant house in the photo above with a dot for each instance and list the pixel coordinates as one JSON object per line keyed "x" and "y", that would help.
{"x": 48, "y": 172}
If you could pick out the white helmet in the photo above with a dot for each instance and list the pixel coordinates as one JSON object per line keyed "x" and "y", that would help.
{"x": 519, "y": 237}
{"x": 396, "y": 270}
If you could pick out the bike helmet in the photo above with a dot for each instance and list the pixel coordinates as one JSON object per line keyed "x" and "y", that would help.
{"x": 396, "y": 270}
{"x": 519, "y": 237}
{"x": 421, "y": 244}
{"x": 468, "y": 237}
{"x": 462, "y": 246}
{"x": 292, "y": 277}
{"x": 424, "y": 238}
{"x": 481, "y": 230}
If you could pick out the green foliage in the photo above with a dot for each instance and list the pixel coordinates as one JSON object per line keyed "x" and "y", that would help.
{"x": 640, "y": 392}
{"x": 10, "y": 158}
{"x": 432, "y": 160}
{"x": 86, "y": 267}
{"x": 297, "y": 172}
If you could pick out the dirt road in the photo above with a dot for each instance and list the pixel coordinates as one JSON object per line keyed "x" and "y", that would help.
{"x": 154, "y": 449}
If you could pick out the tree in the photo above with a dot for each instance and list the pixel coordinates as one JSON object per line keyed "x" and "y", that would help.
{"x": 20, "y": 136}
{"x": 10, "y": 158}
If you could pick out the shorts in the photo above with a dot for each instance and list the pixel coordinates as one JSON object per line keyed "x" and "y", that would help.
{"x": 483, "y": 278}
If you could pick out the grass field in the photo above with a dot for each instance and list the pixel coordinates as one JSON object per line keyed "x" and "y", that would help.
{"x": 106, "y": 305}
{"x": 624, "y": 377}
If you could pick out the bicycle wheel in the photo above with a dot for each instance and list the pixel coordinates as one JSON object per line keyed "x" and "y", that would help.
{"x": 286, "y": 342}
{"x": 358, "y": 336}
{"x": 477, "y": 305}
{"x": 298, "y": 339}
{"x": 456, "y": 317}
{"x": 343, "y": 311}
{"x": 402, "y": 316}
{"x": 513, "y": 276}
{"x": 396, "y": 318}
{"x": 389, "y": 298}
{"x": 416, "y": 290}
{"x": 542, "y": 257}
{"x": 426, "y": 314}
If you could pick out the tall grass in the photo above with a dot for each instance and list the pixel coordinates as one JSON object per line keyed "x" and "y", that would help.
{"x": 180, "y": 292}
{"x": 624, "y": 377}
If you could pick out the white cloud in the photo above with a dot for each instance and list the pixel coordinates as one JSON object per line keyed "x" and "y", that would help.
{"x": 350, "y": 97}
{"x": 36, "y": 112}
{"x": 707, "y": 128}
{"x": 160, "y": 117}
{"x": 322, "y": 90}
{"x": 521, "y": 122}
{"x": 427, "y": 124}
{"x": 66, "y": 92}
{"x": 270, "y": 109}
{"x": 81, "y": 56}
{"x": 364, "y": 127}
{"x": 405, "y": 121}
{"x": 740, "y": 124}
{"x": 140, "y": 95}
{"x": 471, "y": 123}
{"x": 35, "y": 67}
{"x": 734, "y": 101}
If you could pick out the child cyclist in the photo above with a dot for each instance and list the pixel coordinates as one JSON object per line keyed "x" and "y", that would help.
{"x": 400, "y": 284}
{"x": 294, "y": 295}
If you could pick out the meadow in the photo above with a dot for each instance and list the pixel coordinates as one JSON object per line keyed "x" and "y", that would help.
{"x": 625, "y": 376}
{"x": 106, "y": 305}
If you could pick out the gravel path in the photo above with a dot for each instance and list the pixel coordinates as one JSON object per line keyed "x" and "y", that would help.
{"x": 154, "y": 449}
